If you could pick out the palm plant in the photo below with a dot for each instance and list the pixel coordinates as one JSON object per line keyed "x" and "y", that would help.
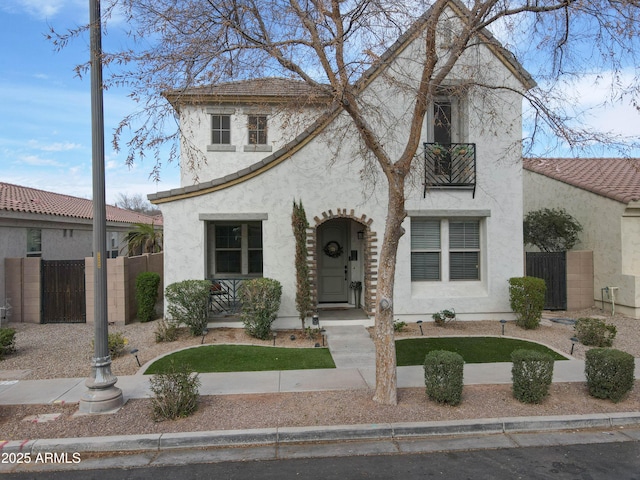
{"x": 146, "y": 238}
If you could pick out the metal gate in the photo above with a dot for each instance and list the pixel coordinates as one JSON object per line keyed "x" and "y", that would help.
{"x": 63, "y": 292}
{"x": 552, "y": 268}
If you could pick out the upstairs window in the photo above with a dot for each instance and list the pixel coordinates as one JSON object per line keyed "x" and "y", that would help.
{"x": 257, "y": 130}
{"x": 221, "y": 129}
{"x": 442, "y": 135}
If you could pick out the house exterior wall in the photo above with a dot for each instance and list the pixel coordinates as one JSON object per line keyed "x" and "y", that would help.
{"x": 326, "y": 175}
{"x": 605, "y": 231}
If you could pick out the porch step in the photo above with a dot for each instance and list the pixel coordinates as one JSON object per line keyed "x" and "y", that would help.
{"x": 351, "y": 346}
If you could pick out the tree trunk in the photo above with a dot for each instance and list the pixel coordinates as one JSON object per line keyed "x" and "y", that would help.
{"x": 386, "y": 373}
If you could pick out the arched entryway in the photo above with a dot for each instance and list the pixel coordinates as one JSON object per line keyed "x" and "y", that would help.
{"x": 343, "y": 262}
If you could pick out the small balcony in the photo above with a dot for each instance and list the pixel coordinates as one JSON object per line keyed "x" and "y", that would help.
{"x": 450, "y": 165}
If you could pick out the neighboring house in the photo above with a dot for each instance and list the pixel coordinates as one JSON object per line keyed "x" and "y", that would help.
{"x": 603, "y": 194}
{"x": 36, "y": 223}
{"x": 463, "y": 236}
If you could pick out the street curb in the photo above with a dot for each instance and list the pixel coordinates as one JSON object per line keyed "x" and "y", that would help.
{"x": 335, "y": 433}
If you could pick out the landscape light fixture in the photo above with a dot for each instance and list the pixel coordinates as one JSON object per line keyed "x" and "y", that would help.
{"x": 574, "y": 340}
{"x": 134, "y": 352}
{"x": 274, "y": 338}
{"x": 419, "y": 322}
{"x": 503, "y": 322}
{"x": 323, "y": 332}
{"x": 204, "y": 334}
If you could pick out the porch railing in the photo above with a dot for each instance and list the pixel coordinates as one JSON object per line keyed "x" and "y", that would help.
{"x": 224, "y": 298}
{"x": 450, "y": 165}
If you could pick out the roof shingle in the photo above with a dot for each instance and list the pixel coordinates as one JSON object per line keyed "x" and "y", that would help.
{"x": 17, "y": 198}
{"x": 614, "y": 178}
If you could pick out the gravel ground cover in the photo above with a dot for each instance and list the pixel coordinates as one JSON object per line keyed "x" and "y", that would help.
{"x": 59, "y": 351}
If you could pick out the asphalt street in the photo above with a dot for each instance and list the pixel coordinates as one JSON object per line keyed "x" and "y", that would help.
{"x": 594, "y": 461}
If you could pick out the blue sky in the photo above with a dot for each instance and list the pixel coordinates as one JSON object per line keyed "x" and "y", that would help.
{"x": 45, "y": 115}
{"x": 45, "y": 109}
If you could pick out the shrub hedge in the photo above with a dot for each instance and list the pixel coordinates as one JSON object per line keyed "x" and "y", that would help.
{"x": 526, "y": 297}
{"x": 7, "y": 341}
{"x": 146, "y": 295}
{"x": 443, "y": 376}
{"x": 595, "y": 332}
{"x": 260, "y": 299}
{"x": 175, "y": 393}
{"x": 532, "y": 373}
{"x": 609, "y": 372}
{"x": 187, "y": 303}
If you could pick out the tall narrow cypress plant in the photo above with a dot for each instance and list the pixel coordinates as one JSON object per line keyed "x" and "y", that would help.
{"x": 303, "y": 287}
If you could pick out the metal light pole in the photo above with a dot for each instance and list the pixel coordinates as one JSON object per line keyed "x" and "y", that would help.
{"x": 102, "y": 394}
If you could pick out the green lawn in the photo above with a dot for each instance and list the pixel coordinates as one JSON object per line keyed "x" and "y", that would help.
{"x": 245, "y": 358}
{"x": 473, "y": 349}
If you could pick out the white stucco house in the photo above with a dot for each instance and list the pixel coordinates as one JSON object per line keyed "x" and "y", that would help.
{"x": 603, "y": 194}
{"x": 463, "y": 237}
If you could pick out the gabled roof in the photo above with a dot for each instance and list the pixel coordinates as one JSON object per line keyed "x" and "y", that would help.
{"x": 248, "y": 88}
{"x": 614, "y": 178}
{"x": 15, "y": 198}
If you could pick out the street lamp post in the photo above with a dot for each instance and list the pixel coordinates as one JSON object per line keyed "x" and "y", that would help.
{"x": 102, "y": 395}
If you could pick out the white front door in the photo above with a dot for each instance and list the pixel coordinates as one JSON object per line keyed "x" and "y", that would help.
{"x": 333, "y": 258}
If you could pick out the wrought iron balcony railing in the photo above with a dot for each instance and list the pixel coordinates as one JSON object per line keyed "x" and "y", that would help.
{"x": 450, "y": 165}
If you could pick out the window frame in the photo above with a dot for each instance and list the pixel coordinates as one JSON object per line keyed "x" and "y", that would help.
{"x": 220, "y": 130}
{"x": 447, "y": 271}
{"x": 34, "y": 242}
{"x": 245, "y": 249}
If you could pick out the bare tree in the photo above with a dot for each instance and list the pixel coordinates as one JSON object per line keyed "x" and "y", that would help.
{"x": 334, "y": 45}
{"x": 136, "y": 203}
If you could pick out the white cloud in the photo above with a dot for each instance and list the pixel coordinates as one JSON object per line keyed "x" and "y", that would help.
{"x": 36, "y": 161}
{"x": 41, "y": 9}
{"x": 54, "y": 147}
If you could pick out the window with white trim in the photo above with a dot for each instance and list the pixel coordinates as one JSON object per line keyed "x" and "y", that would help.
{"x": 445, "y": 249}
{"x": 235, "y": 248}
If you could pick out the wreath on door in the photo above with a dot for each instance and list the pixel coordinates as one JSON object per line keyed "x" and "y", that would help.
{"x": 332, "y": 249}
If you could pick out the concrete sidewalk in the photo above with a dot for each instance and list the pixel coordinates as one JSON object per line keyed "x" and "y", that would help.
{"x": 70, "y": 390}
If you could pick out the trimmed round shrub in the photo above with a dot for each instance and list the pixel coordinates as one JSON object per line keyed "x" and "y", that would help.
{"x": 443, "y": 376}
{"x": 526, "y": 297}
{"x": 187, "y": 303}
{"x": 260, "y": 298}
{"x": 147, "y": 284}
{"x": 609, "y": 372}
{"x": 532, "y": 373}
{"x": 595, "y": 332}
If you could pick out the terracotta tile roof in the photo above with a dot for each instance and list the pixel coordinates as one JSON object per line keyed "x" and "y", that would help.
{"x": 30, "y": 200}
{"x": 615, "y": 178}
